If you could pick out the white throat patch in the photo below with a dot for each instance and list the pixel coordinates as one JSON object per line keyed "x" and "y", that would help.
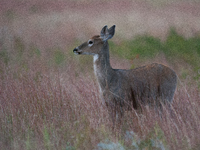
{"x": 95, "y": 57}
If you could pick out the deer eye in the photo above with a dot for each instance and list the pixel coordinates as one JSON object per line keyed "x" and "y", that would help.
{"x": 90, "y": 43}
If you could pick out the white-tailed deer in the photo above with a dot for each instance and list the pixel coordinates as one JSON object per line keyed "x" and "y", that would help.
{"x": 120, "y": 89}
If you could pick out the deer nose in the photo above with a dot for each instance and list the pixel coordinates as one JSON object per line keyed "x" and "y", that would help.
{"x": 75, "y": 50}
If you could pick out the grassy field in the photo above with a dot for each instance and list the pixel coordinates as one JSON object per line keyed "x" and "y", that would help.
{"x": 52, "y": 101}
{"x": 49, "y": 97}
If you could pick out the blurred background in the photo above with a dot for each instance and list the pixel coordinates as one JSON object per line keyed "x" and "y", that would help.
{"x": 49, "y": 97}
{"x": 51, "y": 27}
{"x": 50, "y": 23}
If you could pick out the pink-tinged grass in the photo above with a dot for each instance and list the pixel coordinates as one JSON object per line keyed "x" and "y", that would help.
{"x": 57, "y": 107}
{"x": 44, "y": 105}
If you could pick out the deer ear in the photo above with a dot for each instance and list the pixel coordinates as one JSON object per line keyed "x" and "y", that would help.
{"x": 107, "y": 33}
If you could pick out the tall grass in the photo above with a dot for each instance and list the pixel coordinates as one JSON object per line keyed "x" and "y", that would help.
{"x": 50, "y": 100}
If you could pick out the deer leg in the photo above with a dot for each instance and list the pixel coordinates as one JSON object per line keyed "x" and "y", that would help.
{"x": 112, "y": 113}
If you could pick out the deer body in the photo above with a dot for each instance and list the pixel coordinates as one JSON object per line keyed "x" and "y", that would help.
{"x": 125, "y": 89}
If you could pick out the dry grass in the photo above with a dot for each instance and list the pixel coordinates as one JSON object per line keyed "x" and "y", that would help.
{"x": 52, "y": 108}
{"x": 48, "y": 101}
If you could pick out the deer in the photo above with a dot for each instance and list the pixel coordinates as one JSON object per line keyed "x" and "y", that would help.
{"x": 121, "y": 89}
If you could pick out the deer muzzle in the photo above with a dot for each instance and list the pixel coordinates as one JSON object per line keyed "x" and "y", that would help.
{"x": 77, "y": 51}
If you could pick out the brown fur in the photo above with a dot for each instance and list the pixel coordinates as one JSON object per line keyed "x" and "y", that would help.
{"x": 96, "y": 37}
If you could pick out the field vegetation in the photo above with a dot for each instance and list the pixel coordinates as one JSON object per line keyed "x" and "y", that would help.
{"x": 52, "y": 101}
{"x": 49, "y": 97}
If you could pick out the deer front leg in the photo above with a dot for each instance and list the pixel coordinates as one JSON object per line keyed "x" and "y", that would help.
{"x": 112, "y": 113}
{"x": 116, "y": 114}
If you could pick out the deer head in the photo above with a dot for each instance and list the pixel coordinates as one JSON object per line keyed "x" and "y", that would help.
{"x": 94, "y": 45}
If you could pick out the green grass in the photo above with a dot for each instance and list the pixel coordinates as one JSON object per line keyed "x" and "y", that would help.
{"x": 148, "y": 46}
{"x": 176, "y": 46}
{"x": 142, "y": 46}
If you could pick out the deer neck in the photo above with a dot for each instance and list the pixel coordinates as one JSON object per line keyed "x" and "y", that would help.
{"x": 102, "y": 67}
